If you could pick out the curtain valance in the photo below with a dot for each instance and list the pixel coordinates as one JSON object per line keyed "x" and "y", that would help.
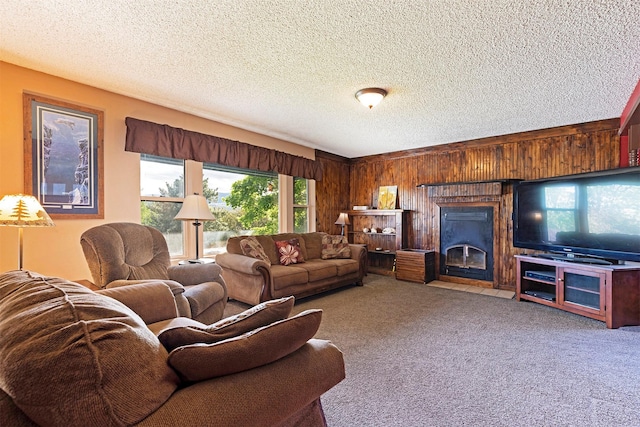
{"x": 166, "y": 141}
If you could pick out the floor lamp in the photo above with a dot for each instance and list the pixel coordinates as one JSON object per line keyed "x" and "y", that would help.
{"x": 343, "y": 219}
{"x": 195, "y": 208}
{"x": 18, "y": 210}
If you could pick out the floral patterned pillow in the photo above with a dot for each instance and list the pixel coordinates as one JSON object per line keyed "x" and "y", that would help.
{"x": 251, "y": 247}
{"x": 289, "y": 252}
{"x": 335, "y": 247}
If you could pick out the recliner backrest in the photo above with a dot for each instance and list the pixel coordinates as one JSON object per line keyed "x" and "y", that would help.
{"x": 125, "y": 251}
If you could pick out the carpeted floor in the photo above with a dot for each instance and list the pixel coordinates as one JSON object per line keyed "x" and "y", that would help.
{"x": 420, "y": 355}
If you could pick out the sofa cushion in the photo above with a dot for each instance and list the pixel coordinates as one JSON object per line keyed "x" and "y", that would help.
{"x": 251, "y": 247}
{"x": 264, "y": 345}
{"x": 345, "y": 266}
{"x": 313, "y": 242}
{"x": 335, "y": 247}
{"x": 299, "y": 236}
{"x": 318, "y": 269}
{"x": 233, "y": 246}
{"x": 67, "y": 354}
{"x": 289, "y": 251}
{"x": 289, "y": 275}
{"x": 269, "y": 247}
{"x": 176, "y": 334}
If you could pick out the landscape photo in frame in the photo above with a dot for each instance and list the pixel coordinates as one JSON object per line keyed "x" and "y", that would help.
{"x": 64, "y": 157}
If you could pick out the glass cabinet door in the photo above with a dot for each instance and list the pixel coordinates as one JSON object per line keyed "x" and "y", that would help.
{"x": 582, "y": 288}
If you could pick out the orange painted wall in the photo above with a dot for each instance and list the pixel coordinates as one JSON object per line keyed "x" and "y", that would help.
{"x": 56, "y": 250}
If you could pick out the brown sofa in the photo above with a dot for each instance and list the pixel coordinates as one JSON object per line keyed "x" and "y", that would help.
{"x": 252, "y": 280}
{"x": 70, "y": 356}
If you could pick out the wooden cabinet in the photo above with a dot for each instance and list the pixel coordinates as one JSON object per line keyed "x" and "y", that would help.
{"x": 415, "y": 265}
{"x": 608, "y": 293}
{"x": 383, "y": 232}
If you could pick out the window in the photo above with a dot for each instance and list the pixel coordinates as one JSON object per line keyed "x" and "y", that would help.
{"x": 161, "y": 195}
{"x": 242, "y": 202}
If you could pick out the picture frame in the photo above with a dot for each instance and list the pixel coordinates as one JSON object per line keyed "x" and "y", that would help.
{"x": 387, "y": 196}
{"x": 63, "y": 157}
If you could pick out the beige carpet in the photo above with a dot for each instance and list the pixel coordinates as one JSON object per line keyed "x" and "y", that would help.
{"x": 420, "y": 355}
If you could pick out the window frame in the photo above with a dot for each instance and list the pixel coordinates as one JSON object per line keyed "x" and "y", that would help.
{"x": 164, "y": 199}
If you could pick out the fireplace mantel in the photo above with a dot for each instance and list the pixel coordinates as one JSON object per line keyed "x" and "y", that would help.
{"x": 440, "y": 184}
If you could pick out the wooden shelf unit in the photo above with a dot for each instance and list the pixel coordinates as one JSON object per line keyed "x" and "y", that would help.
{"x": 380, "y": 261}
{"x": 609, "y": 293}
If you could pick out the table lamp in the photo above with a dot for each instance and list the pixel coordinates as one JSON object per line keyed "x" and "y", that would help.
{"x": 19, "y": 210}
{"x": 195, "y": 208}
{"x": 343, "y": 219}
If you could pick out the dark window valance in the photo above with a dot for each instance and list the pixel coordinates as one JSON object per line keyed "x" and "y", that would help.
{"x": 166, "y": 141}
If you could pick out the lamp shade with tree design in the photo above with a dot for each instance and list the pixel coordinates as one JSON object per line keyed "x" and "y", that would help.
{"x": 19, "y": 210}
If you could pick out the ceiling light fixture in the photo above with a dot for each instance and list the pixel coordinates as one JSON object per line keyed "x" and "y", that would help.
{"x": 370, "y": 97}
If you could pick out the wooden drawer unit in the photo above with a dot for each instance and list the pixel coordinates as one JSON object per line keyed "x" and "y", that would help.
{"x": 415, "y": 265}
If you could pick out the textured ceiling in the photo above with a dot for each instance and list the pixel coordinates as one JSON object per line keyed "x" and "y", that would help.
{"x": 455, "y": 70}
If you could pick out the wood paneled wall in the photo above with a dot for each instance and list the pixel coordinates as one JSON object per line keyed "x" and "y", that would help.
{"x": 543, "y": 153}
{"x": 332, "y": 193}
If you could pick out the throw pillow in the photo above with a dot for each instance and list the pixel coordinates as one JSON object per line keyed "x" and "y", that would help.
{"x": 68, "y": 355}
{"x": 177, "y": 334}
{"x": 197, "y": 362}
{"x": 251, "y": 247}
{"x": 289, "y": 251}
{"x": 335, "y": 247}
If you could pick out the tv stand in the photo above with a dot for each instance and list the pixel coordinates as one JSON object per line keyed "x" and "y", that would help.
{"x": 605, "y": 292}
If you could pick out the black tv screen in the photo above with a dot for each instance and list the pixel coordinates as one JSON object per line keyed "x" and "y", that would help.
{"x": 595, "y": 214}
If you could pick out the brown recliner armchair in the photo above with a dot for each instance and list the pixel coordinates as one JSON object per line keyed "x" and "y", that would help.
{"x": 74, "y": 357}
{"x": 124, "y": 253}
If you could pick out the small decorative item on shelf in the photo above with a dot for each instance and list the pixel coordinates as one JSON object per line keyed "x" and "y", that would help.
{"x": 387, "y": 196}
{"x": 374, "y": 230}
{"x": 378, "y": 249}
{"x": 366, "y": 230}
{"x": 388, "y": 230}
{"x": 361, "y": 208}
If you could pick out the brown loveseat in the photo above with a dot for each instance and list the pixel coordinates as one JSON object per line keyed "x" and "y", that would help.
{"x": 70, "y": 356}
{"x": 252, "y": 280}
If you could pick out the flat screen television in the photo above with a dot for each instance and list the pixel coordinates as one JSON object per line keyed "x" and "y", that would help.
{"x": 592, "y": 217}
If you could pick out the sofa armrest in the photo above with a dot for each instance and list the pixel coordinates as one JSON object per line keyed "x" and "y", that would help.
{"x": 359, "y": 253}
{"x": 194, "y": 274}
{"x": 176, "y": 289}
{"x": 152, "y": 301}
{"x": 277, "y": 391}
{"x": 242, "y": 263}
{"x": 248, "y": 279}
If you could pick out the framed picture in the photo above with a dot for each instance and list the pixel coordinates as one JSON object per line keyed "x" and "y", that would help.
{"x": 387, "y": 197}
{"x": 63, "y": 157}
